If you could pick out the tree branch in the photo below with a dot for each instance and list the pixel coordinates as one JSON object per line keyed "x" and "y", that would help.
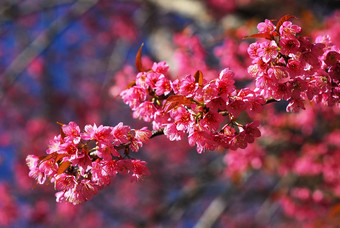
{"x": 15, "y": 10}
{"x": 42, "y": 42}
{"x": 214, "y": 211}
{"x": 267, "y": 208}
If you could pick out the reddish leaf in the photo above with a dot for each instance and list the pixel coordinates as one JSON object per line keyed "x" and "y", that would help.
{"x": 199, "y": 78}
{"x": 261, "y": 35}
{"x": 62, "y": 133}
{"x": 50, "y": 156}
{"x": 236, "y": 179}
{"x": 275, "y": 33}
{"x": 63, "y": 167}
{"x": 283, "y": 19}
{"x": 139, "y": 64}
{"x": 335, "y": 210}
{"x": 276, "y": 195}
{"x": 59, "y": 156}
{"x": 131, "y": 84}
{"x": 61, "y": 124}
{"x": 174, "y": 101}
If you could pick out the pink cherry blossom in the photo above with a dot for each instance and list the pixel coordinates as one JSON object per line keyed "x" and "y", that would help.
{"x": 145, "y": 111}
{"x": 288, "y": 29}
{"x": 65, "y": 181}
{"x": 160, "y": 67}
{"x": 268, "y": 50}
{"x": 188, "y": 86}
{"x": 266, "y": 27}
{"x": 163, "y": 86}
{"x": 289, "y": 46}
{"x": 72, "y": 132}
{"x": 139, "y": 169}
{"x": 35, "y": 172}
{"x": 134, "y": 96}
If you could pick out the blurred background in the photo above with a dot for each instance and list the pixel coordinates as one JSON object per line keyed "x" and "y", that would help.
{"x": 68, "y": 60}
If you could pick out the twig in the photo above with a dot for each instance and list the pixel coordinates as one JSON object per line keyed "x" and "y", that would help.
{"x": 271, "y": 101}
{"x": 42, "y": 42}
{"x": 268, "y": 208}
{"x": 116, "y": 60}
{"x": 174, "y": 209}
{"x": 214, "y": 211}
{"x": 211, "y": 215}
{"x": 14, "y": 10}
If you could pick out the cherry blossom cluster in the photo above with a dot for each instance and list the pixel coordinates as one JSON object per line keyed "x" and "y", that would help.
{"x": 290, "y": 67}
{"x": 209, "y": 111}
{"x": 79, "y": 164}
{"x": 206, "y": 112}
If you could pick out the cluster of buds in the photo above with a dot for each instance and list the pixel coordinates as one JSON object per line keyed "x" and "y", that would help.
{"x": 81, "y": 163}
{"x": 290, "y": 67}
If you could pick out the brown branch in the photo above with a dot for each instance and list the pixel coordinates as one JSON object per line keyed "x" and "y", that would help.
{"x": 154, "y": 134}
{"x": 157, "y": 133}
{"x": 268, "y": 208}
{"x": 271, "y": 101}
{"x": 174, "y": 209}
{"x": 214, "y": 211}
{"x": 42, "y": 42}
{"x": 15, "y": 10}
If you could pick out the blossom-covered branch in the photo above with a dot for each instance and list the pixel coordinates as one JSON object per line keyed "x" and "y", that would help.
{"x": 79, "y": 164}
{"x": 286, "y": 66}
